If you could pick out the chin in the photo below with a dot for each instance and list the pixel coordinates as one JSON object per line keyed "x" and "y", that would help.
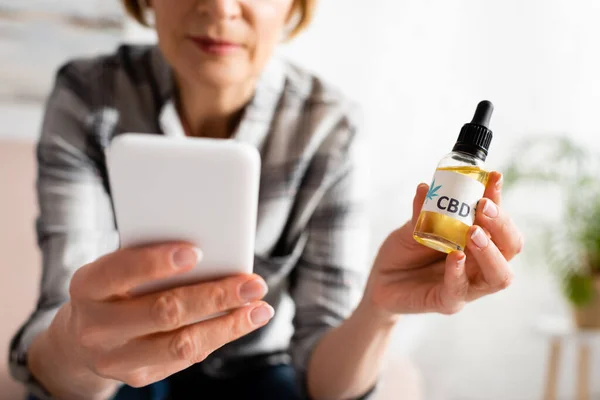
{"x": 219, "y": 76}
{"x": 216, "y": 72}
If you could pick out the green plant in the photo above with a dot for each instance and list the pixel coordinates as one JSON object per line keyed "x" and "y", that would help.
{"x": 571, "y": 246}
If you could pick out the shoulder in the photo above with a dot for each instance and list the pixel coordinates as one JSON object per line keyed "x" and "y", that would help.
{"x": 315, "y": 93}
{"x": 133, "y": 61}
{"x": 103, "y": 77}
{"x": 328, "y": 121}
{"x": 94, "y": 97}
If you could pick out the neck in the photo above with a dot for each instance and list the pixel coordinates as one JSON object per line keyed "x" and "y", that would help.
{"x": 212, "y": 112}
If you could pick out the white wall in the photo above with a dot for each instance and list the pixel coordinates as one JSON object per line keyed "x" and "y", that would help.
{"x": 419, "y": 68}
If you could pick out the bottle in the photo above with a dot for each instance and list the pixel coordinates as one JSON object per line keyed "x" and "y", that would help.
{"x": 457, "y": 186}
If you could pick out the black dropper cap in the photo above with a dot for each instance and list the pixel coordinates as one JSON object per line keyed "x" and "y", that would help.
{"x": 475, "y": 137}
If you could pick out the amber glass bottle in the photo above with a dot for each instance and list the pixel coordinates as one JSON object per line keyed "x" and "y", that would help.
{"x": 458, "y": 184}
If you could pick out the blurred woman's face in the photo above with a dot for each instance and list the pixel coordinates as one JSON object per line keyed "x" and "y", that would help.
{"x": 219, "y": 42}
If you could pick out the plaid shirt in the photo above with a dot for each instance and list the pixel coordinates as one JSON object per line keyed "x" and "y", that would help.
{"x": 311, "y": 230}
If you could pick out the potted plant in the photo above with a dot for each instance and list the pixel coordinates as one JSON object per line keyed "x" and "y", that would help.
{"x": 571, "y": 245}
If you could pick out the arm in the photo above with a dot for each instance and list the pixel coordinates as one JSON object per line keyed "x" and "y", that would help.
{"x": 347, "y": 361}
{"x": 336, "y": 356}
{"x": 409, "y": 278}
{"x": 74, "y": 226}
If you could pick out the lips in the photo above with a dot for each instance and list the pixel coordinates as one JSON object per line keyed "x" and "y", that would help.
{"x": 215, "y": 46}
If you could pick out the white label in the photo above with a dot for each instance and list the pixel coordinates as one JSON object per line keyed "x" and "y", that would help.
{"x": 455, "y": 195}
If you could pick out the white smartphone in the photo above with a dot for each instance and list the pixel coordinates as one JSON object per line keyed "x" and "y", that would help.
{"x": 204, "y": 191}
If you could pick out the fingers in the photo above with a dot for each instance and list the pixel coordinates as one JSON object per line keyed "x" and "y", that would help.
{"x": 418, "y": 201}
{"x": 115, "y": 274}
{"x": 456, "y": 284}
{"x": 494, "y": 268}
{"x": 502, "y": 229}
{"x": 155, "y": 357}
{"x": 493, "y": 189}
{"x": 179, "y": 307}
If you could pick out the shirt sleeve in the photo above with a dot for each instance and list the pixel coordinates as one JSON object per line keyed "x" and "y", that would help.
{"x": 329, "y": 279}
{"x": 75, "y": 224}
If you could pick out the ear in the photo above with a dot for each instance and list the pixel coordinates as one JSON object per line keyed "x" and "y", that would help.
{"x": 292, "y": 11}
{"x": 148, "y": 12}
{"x": 291, "y": 21}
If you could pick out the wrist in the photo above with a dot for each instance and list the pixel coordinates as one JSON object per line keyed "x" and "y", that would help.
{"x": 59, "y": 370}
{"x": 367, "y": 310}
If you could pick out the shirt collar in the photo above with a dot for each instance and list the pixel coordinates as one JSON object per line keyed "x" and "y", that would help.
{"x": 257, "y": 116}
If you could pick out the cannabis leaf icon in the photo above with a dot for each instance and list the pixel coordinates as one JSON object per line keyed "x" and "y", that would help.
{"x": 432, "y": 191}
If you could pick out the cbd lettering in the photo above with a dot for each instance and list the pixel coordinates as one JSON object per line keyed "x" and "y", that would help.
{"x": 454, "y": 206}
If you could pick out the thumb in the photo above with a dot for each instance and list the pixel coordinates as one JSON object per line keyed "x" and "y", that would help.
{"x": 418, "y": 201}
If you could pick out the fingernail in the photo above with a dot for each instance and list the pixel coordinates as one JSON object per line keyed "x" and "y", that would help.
{"x": 490, "y": 209}
{"x": 253, "y": 290}
{"x": 187, "y": 256}
{"x": 460, "y": 262}
{"x": 262, "y": 314}
{"x": 500, "y": 182}
{"x": 479, "y": 238}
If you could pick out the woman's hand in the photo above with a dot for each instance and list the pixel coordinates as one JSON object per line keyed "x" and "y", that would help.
{"x": 408, "y": 277}
{"x": 106, "y": 333}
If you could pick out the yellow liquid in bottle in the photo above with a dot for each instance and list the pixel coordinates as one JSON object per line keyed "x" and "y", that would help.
{"x": 443, "y": 233}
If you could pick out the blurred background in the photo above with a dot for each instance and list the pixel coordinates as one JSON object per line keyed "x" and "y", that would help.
{"x": 419, "y": 68}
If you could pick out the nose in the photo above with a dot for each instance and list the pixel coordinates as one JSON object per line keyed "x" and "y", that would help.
{"x": 220, "y": 9}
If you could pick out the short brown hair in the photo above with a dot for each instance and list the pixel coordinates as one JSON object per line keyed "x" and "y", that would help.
{"x": 302, "y": 13}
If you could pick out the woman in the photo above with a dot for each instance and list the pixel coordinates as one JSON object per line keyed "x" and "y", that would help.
{"x": 212, "y": 75}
